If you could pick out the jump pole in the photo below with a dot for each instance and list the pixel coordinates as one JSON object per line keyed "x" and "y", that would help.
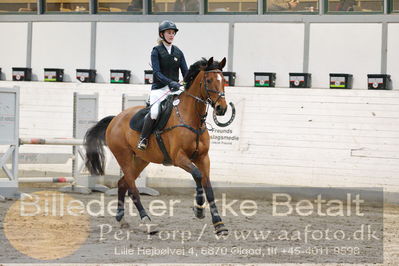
{"x": 51, "y": 141}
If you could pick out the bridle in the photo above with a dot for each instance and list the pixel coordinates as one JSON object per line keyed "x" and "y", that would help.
{"x": 208, "y": 99}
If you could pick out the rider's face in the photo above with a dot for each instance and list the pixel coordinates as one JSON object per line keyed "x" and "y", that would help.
{"x": 169, "y": 35}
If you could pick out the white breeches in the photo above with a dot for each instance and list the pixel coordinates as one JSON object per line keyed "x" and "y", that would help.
{"x": 156, "y": 97}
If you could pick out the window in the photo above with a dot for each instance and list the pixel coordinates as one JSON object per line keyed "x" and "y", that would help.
{"x": 67, "y": 6}
{"x": 232, "y": 6}
{"x": 395, "y": 6}
{"x": 292, "y": 6}
{"x": 191, "y": 6}
{"x": 18, "y": 6}
{"x": 355, "y": 5}
{"x": 120, "y": 6}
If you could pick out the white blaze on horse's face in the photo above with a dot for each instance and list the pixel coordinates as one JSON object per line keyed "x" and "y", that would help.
{"x": 219, "y": 77}
{"x": 217, "y": 94}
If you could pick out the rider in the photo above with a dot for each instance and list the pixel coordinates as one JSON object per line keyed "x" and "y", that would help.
{"x": 166, "y": 60}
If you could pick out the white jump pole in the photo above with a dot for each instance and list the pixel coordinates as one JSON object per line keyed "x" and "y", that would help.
{"x": 46, "y": 179}
{"x": 55, "y": 141}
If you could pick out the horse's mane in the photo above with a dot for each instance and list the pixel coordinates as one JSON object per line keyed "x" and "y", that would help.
{"x": 196, "y": 68}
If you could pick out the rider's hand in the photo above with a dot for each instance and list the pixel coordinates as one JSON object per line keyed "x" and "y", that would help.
{"x": 174, "y": 86}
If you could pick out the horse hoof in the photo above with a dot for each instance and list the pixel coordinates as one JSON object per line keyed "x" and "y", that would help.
{"x": 119, "y": 215}
{"x": 151, "y": 230}
{"x": 221, "y": 230}
{"x": 146, "y": 220}
{"x": 199, "y": 213}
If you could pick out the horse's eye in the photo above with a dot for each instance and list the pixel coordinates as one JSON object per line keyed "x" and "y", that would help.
{"x": 208, "y": 81}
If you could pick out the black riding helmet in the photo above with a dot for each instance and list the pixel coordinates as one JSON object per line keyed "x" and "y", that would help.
{"x": 166, "y": 25}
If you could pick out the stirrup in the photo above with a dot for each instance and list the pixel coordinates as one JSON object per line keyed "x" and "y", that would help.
{"x": 142, "y": 145}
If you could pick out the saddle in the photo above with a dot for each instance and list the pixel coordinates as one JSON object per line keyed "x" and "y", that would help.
{"x": 165, "y": 110}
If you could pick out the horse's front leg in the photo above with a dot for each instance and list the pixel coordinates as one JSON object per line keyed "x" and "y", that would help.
{"x": 199, "y": 207}
{"x": 200, "y": 173}
{"x": 203, "y": 164}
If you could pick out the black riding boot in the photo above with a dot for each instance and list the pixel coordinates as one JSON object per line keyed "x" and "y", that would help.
{"x": 145, "y": 133}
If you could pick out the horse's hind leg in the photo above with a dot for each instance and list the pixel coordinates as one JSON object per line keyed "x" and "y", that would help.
{"x": 122, "y": 188}
{"x": 131, "y": 166}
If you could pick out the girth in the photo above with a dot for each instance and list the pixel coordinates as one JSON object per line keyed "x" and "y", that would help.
{"x": 161, "y": 144}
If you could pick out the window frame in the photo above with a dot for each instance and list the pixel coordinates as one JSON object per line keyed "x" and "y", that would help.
{"x": 207, "y": 12}
{"x": 93, "y": 10}
{"x": 390, "y": 9}
{"x": 44, "y": 9}
{"x": 150, "y": 12}
{"x": 326, "y": 12}
{"x": 23, "y": 13}
{"x": 265, "y": 12}
{"x": 96, "y": 12}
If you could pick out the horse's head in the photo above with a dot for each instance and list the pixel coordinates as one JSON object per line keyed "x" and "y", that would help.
{"x": 213, "y": 85}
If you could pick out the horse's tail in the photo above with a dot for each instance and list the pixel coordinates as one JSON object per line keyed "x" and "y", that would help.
{"x": 94, "y": 142}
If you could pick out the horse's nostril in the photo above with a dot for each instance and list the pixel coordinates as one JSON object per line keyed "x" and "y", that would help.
{"x": 220, "y": 110}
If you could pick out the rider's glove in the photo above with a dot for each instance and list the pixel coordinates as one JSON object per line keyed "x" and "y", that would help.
{"x": 174, "y": 86}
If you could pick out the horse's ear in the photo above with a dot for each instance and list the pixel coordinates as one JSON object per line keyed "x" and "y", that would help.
{"x": 222, "y": 63}
{"x": 210, "y": 61}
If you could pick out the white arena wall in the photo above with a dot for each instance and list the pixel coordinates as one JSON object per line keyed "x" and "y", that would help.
{"x": 354, "y": 48}
{"x": 393, "y": 52}
{"x": 347, "y": 48}
{"x": 13, "y": 47}
{"x": 124, "y": 46}
{"x": 60, "y": 45}
{"x": 304, "y": 137}
{"x": 129, "y": 45}
{"x": 267, "y": 47}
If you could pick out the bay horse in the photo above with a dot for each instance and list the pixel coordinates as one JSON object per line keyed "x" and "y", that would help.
{"x": 186, "y": 140}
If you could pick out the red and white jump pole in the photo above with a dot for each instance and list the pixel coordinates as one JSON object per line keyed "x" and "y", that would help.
{"x": 54, "y": 141}
{"x": 49, "y": 141}
{"x": 46, "y": 179}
